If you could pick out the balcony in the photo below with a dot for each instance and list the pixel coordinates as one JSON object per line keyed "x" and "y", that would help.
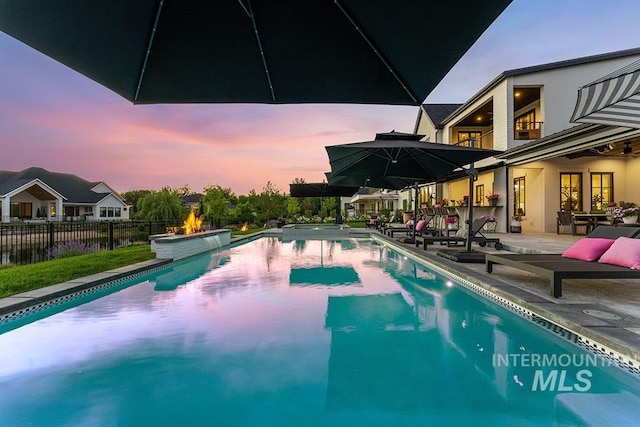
{"x": 527, "y": 130}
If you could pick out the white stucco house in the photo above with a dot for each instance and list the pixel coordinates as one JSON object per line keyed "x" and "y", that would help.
{"x": 548, "y": 163}
{"x": 37, "y": 194}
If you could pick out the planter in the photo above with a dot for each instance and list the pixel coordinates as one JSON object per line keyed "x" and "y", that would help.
{"x": 629, "y": 219}
{"x": 516, "y": 226}
{"x": 493, "y": 202}
{"x": 452, "y": 226}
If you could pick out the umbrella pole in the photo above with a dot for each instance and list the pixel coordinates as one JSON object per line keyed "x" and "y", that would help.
{"x": 470, "y": 216}
{"x": 415, "y": 211}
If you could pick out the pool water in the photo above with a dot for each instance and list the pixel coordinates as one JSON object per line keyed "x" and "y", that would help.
{"x": 305, "y": 333}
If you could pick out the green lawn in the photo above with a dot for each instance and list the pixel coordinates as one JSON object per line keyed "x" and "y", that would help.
{"x": 23, "y": 278}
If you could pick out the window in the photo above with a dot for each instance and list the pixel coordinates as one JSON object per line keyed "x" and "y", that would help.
{"x": 117, "y": 212}
{"x": 519, "y": 196}
{"x": 525, "y": 126}
{"x": 571, "y": 191}
{"x": 465, "y": 137}
{"x": 20, "y": 210}
{"x": 103, "y": 212}
{"x": 601, "y": 190}
{"x": 479, "y": 194}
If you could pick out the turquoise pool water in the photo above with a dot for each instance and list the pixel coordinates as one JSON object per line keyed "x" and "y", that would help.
{"x": 304, "y": 333}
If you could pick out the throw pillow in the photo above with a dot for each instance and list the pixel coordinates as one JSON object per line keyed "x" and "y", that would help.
{"x": 420, "y": 225}
{"x": 588, "y": 249}
{"x": 624, "y": 252}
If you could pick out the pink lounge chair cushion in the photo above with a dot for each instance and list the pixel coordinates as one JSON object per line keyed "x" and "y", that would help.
{"x": 624, "y": 252}
{"x": 588, "y": 249}
{"x": 372, "y": 221}
{"x": 420, "y": 225}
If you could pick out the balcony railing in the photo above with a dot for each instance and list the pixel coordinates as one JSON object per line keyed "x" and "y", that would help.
{"x": 485, "y": 141}
{"x": 528, "y": 130}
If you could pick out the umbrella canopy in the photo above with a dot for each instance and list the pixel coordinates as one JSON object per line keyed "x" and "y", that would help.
{"x": 401, "y": 156}
{"x": 374, "y": 181}
{"x": 256, "y": 51}
{"x": 321, "y": 189}
{"x": 613, "y": 100}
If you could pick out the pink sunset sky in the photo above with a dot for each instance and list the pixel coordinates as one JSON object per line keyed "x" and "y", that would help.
{"x": 55, "y": 118}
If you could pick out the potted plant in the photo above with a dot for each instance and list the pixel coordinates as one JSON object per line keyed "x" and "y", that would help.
{"x": 516, "y": 223}
{"x": 492, "y": 199}
{"x": 628, "y": 215}
{"x": 452, "y": 222}
{"x": 465, "y": 200}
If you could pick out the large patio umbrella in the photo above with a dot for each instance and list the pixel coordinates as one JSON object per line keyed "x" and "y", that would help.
{"x": 404, "y": 155}
{"x": 255, "y": 51}
{"x": 612, "y": 100}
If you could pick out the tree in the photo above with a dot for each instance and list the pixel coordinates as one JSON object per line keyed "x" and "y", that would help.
{"x": 165, "y": 204}
{"x": 293, "y": 207}
{"x": 132, "y": 197}
{"x": 245, "y": 212}
{"x": 215, "y": 203}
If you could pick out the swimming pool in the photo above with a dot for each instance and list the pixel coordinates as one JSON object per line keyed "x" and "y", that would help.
{"x": 307, "y": 332}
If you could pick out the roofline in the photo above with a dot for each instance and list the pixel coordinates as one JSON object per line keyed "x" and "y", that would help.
{"x": 31, "y": 183}
{"x": 566, "y": 142}
{"x": 537, "y": 68}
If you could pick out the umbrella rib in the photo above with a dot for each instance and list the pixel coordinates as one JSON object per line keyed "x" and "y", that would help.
{"x": 376, "y": 50}
{"x": 148, "y": 52}
{"x": 250, "y": 14}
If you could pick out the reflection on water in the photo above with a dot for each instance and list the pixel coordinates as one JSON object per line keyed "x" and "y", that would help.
{"x": 260, "y": 334}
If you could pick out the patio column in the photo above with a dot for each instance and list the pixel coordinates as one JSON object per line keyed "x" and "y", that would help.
{"x": 6, "y": 209}
{"x": 58, "y": 210}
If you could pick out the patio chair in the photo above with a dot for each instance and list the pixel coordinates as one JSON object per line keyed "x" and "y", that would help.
{"x": 423, "y": 227}
{"x": 383, "y": 224}
{"x": 373, "y": 222}
{"x": 556, "y": 267}
{"x": 566, "y": 219}
{"x": 476, "y": 233}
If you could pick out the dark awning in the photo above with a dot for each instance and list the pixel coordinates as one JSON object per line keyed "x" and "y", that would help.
{"x": 321, "y": 189}
{"x": 613, "y": 100}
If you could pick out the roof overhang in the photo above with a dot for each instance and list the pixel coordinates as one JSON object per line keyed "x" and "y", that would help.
{"x": 37, "y": 189}
{"x": 567, "y": 142}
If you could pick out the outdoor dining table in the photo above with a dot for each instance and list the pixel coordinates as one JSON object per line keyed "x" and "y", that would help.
{"x": 594, "y": 218}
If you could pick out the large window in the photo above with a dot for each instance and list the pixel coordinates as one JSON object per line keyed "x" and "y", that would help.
{"x": 519, "y": 196}
{"x": 601, "y": 190}
{"x": 464, "y": 139}
{"x": 20, "y": 210}
{"x": 571, "y": 191}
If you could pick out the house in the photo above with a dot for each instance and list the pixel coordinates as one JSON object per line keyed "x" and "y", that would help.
{"x": 369, "y": 201}
{"x": 548, "y": 162}
{"x": 37, "y": 194}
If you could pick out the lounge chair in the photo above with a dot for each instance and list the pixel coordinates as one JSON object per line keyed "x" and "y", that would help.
{"x": 476, "y": 232}
{"x": 556, "y": 268}
{"x": 422, "y": 228}
{"x": 385, "y": 224}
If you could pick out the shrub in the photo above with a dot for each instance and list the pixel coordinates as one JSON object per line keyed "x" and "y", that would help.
{"x": 69, "y": 249}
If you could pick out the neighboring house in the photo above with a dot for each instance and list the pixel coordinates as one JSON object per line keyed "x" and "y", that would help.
{"x": 37, "y": 194}
{"x": 192, "y": 201}
{"x": 369, "y": 201}
{"x": 548, "y": 162}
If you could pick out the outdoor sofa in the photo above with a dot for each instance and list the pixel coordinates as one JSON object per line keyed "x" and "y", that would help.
{"x": 557, "y": 267}
{"x": 476, "y": 230}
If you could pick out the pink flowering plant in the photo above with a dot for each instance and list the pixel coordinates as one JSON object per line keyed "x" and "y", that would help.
{"x": 492, "y": 197}
{"x": 626, "y": 212}
{"x": 450, "y": 220}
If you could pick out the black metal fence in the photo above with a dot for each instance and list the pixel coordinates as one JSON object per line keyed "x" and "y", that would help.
{"x": 29, "y": 243}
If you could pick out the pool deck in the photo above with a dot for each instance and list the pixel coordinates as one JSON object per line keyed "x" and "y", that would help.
{"x": 617, "y": 302}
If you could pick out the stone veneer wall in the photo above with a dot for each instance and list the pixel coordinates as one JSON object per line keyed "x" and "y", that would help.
{"x": 179, "y": 246}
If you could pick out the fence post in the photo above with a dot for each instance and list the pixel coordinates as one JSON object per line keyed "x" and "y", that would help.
{"x": 110, "y": 235}
{"x": 51, "y": 235}
{"x": 149, "y": 234}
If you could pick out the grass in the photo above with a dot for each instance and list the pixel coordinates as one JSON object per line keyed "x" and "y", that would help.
{"x": 23, "y": 278}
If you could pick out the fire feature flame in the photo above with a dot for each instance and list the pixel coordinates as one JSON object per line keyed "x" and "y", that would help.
{"x": 244, "y": 227}
{"x": 192, "y": 224}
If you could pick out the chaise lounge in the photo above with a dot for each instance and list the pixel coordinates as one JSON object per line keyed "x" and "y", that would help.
{"x": 476, "y": 230}
{"x": 557, "y": 267}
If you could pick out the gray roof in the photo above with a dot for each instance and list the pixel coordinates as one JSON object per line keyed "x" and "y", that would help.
{"x": 439, "y": 112}
{"x": 543, "y": 67}
{"x": 72, "y": 187}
